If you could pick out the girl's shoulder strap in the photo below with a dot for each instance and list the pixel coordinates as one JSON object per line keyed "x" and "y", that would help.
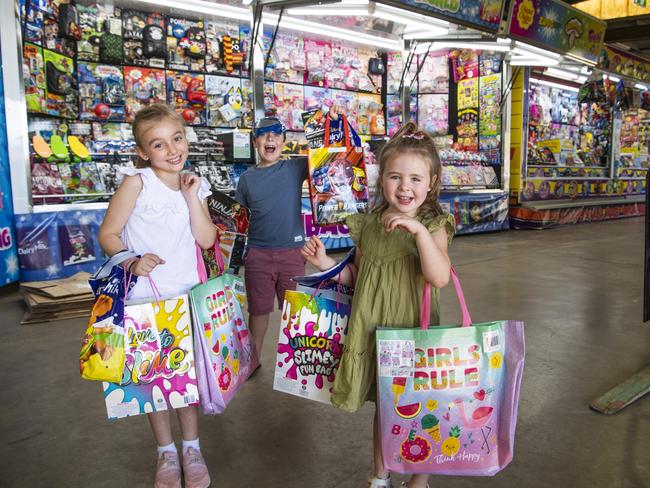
{"x": 144, "y": 173}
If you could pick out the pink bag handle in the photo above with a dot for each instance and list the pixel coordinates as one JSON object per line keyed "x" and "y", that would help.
{"x": 200, "y": 263}
{"x": 425, "y": 315}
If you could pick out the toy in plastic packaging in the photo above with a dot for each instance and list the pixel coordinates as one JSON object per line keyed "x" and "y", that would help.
{"x": 143, "y": 86}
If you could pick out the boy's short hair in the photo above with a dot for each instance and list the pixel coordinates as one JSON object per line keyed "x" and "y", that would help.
{"x": 269, "y": 124}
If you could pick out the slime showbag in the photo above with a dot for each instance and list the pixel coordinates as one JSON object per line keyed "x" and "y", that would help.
{"x": 312, "y": 333}
{"x": 225, "y": 353}
{"x": 337, "y": 183}
{"x": 159, "y": 364}
{"x": 448, "y": 396}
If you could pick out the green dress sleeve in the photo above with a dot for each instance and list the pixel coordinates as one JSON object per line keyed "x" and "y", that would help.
{"x": 444, "y": 221}
{"x": 355, "y": 224}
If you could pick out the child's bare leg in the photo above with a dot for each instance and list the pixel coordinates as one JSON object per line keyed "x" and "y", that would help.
{"x": 188, "y": 417}
{"x": 258, "y": 325}
{"x": 419, "y": 481}
{"x": 161, "y": 427}
{"x": 380, "y": 470}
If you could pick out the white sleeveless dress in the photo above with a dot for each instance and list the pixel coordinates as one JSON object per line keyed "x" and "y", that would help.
{"x": 160, "y": 224}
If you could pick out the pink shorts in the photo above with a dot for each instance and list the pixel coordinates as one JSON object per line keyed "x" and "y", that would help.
{"x": 268, "y": 274}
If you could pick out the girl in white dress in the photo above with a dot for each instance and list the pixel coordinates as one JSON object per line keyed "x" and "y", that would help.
{"x": 159, "y": 213}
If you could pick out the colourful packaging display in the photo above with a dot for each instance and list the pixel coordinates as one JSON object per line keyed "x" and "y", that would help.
{"x": 159, "y": 368}
{"x": 312, "y": 334}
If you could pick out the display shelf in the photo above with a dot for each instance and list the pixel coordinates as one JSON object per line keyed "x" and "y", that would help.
{"x": 585, "y": 202}
{"x": 70, "y": 207}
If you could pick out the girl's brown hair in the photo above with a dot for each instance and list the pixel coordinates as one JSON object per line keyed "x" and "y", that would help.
{"x": 410, "y": 139}
{"x": 145, "y": 118}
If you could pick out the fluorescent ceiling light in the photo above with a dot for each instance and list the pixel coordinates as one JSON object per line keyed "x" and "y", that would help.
{"x": 302, "y": 25}
{"x": 613, "y": 78}
{"x": 563, "y": 74}
{"x": 330, "y": 11}
{"x": 554, "y": 85}
{"x": 485, "y": 46}
{"x": 407, "y": 17}
{"x": 640, "y": 86}
{"x": 204, "y": 7}
{"x": 532, "y": 51}
{"x": 523, "y": 61}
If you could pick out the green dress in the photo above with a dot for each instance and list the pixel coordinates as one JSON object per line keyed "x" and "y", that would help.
{"x": 387, "y": 293}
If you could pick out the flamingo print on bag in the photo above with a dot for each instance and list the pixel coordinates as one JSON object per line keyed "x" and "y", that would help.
{"x": 479, "y": 419}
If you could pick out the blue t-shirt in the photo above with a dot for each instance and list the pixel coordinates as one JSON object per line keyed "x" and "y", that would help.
{"x": 273, "y": 194}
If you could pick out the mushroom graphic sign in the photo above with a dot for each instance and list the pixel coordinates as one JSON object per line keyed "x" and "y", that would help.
{"x": 573, "y": 29}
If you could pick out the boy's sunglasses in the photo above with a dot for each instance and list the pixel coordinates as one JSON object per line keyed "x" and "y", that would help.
{"x": 277, "y": 129}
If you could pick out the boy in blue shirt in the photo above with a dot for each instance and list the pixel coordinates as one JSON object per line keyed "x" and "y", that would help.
{"x": 272, "y": 191}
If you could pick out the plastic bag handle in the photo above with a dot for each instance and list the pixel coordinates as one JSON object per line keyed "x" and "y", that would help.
{"x": 425, "y": 311}
{"x": 200, "y": 263}
{"x": 105, "y": 269}
{"x": 346, "y": 130}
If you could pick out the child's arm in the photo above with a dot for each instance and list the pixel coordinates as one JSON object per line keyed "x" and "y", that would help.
{"x": 314, "y": 252}
{"x": 203, "y": 230}
{"x": 432, "y": 247}
{"x": 117, "y": 214}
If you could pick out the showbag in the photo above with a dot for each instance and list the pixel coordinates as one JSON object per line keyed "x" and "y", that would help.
{"x": 226, "y": 354}
{"x": 159, "y": 370}
{"x": 102, "y": 351}
{"x": 337, "y": 183}
{"x": 313, "y": 330}
{"x": 448, "y": 396}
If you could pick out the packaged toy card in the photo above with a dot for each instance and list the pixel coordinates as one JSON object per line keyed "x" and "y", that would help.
{"x": 393, "y": 113}
{"x": 337, "y": 183}
{"x": 46, "y": 180}
{"x": 465, "y": 64}
{"x": 434, "y": 77}
{"x": 365, "y": 81}
{"x": 313, "y": 331}
{"x": 34, "y": 19}
{"x": 345, "y": 63}
{"x": 53, "y": 40}
{"x": 101, "y": 92}
{"x": 112, "y": 137}
{"x": 186, "y": 94}
{"x": 34, "y": 78}
{"x": 290, "y": 104}
{"x": 433, "y": 116}
{"x": 143, "y": 87}
{"x": 159, "y": 368}
{"x": 217, "y": 174}
{"x": 225, "y": 51}
{"x": 247, "y": 107}
{"x": 349, "y": 102}
{"x": 269, "y": 106}
{"x": 287, "y": 61}
{"x": 91, "y": 21}
{"x": 490, "y": 62}
{"x": 60, "y": 85}
{"x": 227, "y": 213}
{"x": 80, "y": 178}
{"x": 371, "y": 115}
{"x": 144, "y": 38}
{"x": 468, "y": 93}
{"x": 490, "y": 112}
{"x": 467, "y": 129}
{"x": 225, "y": 101}
{"x": 317, "y": 98}
{"x": 107, "y": 170}
{"x": 186, "y": 44}
{"x": 318, "y": 61}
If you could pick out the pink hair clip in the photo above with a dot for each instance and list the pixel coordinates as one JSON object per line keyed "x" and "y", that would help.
{"x": 419, "y": 135}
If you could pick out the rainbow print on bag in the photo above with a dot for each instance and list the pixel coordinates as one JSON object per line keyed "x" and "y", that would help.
{"x": 159, "y": 360}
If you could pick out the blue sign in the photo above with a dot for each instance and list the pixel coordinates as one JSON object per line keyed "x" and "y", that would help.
{"x": 8, "y": 255}
{"x": 477, "y": 212}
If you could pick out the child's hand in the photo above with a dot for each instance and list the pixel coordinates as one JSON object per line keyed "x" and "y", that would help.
{"x": 145, "y": 265}
{"x": 314, "y": 252}
{"x": 391, "y": 221}
{"x": 190, "y": 184}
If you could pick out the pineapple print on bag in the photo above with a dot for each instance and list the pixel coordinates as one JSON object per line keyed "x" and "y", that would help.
{"x": 451, "y": 445}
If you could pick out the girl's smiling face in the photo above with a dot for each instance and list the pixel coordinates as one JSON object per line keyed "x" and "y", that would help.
{"x": 164, "y": 146}
{"x": 406, "y": 182}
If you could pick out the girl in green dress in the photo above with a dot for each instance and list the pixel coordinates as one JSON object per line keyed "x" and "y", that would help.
{"x": 399, "y": 245}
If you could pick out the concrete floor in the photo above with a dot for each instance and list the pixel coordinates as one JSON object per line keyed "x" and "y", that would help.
{"x": 579, "y": 290}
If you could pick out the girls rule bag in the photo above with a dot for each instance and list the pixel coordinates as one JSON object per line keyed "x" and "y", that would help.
{"x": 448, "y": 395}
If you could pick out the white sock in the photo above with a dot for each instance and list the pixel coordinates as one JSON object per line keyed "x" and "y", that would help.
{"x": 194, "y": 444}
{"x": 169, "y": 447}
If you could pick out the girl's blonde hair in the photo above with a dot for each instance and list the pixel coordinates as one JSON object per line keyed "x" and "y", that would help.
{"x": 410, "y": 139}
{"x": 145, "y": 118}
